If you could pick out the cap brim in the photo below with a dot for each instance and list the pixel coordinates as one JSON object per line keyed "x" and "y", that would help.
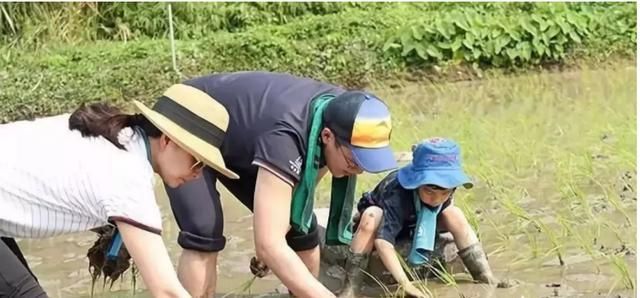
{"x": 411, "y": 178}
{"x": 203, "y": 151}
{"x": 374, "y": 160}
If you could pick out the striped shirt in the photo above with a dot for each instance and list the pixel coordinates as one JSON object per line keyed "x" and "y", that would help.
{"x": 54, "y": 181}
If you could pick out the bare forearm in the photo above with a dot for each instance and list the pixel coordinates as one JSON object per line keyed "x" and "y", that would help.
{"x": 152, "y": 260}
{"x": 389, "y": 258}
{"x": 270, "y": 225}
{"x": 288, "y": 267}
{"x": 197, "y": 272}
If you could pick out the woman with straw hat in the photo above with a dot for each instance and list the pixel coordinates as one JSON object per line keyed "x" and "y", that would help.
{"x": 95, "y": 167}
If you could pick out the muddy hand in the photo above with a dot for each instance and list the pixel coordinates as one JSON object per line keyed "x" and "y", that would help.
{"x": 411, "y": 291}
{"x": 258, "y": 268}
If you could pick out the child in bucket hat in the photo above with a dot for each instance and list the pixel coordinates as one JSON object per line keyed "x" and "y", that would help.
{"x": 417, "y": 199}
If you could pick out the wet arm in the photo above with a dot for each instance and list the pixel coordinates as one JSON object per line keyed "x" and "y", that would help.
{"x": 389, "y": 258}
{"x": 396, "y": 212}
{"x": 271, "y": 223}
{"x": 151, "y": 258}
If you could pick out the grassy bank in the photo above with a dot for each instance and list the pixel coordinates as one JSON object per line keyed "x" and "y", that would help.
{"x": 37, "y": 25}
{"x": 351, "y": 46}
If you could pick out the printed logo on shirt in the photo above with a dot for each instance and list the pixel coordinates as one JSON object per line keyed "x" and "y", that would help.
{"x": 296, "y": 165}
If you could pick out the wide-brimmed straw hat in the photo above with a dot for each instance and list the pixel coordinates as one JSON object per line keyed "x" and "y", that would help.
{"x": 195, "y": 121}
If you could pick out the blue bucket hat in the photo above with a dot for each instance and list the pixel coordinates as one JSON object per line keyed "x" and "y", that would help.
{"x": 436, "y": 161}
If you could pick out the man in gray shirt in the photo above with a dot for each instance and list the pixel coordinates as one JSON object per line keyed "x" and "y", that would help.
{"x": 266, "y": 144}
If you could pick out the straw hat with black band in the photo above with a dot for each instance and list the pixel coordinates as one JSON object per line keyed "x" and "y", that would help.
{"x": 193, "y": 120}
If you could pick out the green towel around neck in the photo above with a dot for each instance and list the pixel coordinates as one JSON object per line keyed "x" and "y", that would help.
{"x": 339, "y": 230}
{"x": 342, "y": 189}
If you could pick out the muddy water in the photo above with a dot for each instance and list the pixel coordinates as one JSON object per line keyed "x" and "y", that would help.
{"x": 61, "y": 265}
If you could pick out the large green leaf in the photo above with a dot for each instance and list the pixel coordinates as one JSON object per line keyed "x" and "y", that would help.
{"x": 537, "y": 18}
{"x": 542, "y": 23}
{"x": 525, "y": 50}
{"x": 545, "y": 38}
{"x": 501, "y": 42}
{"x": 440, "y": 28}
{"x": 563, "y": 25}
{"x": 476, "y": 53}
{"x": 495, "y": 32}
{"x": 391, "y": 44}
{"x": 468, "y": 41}
{"x": 553, "y": 31}
{"x": 444, "y": 45}
{"x": 488, "y": 46}
{"x": 468, "y": 55}
{"x": 574, "y": 36}
{"x": 407, "y": 48}
{"x": 538, "y": 46}
{"x": 514, "y": 34}
{"x": 576, "y": 19}
{"x": 526, "y": 24}
{"x": 406, "y": 38}
{"x": 416, "y": 33}
{"x": 428, "y": 29}
{"x": 512, "y": 53}
{"x": 460, "y": 21}
{"x": 558, "y": 49}
{"x": 421, "y": 51}
{"x": 561, "y": 39}
{"x": 433, "y": 51}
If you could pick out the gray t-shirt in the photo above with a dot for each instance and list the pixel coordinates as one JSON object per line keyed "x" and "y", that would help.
{"x": 268, "y": 119}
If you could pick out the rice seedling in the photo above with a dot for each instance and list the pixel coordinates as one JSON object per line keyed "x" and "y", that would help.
{"x": 611, "y": 197}
{"x": 622, "y": 269}
{"x": 244, "y": 288}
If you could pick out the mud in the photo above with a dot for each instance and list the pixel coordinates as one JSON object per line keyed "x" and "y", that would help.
{"x": 516, "y": 249}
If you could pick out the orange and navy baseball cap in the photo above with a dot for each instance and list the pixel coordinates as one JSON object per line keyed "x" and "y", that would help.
{"x": 362, "y": 122}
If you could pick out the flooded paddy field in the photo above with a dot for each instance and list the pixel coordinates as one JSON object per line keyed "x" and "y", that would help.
{"x": 553, "y": 156}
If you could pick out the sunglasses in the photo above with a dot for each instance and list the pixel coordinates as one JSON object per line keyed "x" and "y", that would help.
{"x": 197, "y": 166}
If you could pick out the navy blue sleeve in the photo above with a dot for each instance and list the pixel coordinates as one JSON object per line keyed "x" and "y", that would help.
{"x": 280, "y": 151}
{"x": 396, "y": 211}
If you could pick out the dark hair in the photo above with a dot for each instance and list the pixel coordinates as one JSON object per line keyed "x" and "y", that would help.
{"x": 436, "y": 187}
{"x": 339, "y": 142}
{"x": 100, "y": 119}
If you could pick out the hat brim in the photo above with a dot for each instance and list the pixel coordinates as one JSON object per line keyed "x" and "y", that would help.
{"x": 201, "y": 150}
{"x": 374, "y": 160}
{"x": 411, "y": 178}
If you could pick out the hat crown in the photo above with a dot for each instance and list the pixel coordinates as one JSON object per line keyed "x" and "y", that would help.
{"x": 360, "y": 118}
{"x": 200, "y": 104}
{"x": 437, "y": 153}
{"x": 372, "y": 124}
